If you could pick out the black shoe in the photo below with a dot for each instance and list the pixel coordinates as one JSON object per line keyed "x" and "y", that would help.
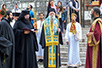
{"x": 41, "y": 60}
{"x": 75, "y": 67}
{"x": 71, "y": 67}
{"x": 38, "y": 60}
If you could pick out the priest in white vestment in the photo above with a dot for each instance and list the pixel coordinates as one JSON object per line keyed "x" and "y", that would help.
{"x": 73, "y": 36}
{"x": 40, "y": 52}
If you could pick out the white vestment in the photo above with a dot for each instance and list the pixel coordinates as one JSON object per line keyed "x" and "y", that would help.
{"x": 12, "y": 23}
{"x": 38, "y": 34}
{"x": 73, "y": 47}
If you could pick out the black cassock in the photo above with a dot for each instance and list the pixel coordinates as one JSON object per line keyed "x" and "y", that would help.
{"x": 7, "y": 45}
{"x": 26, "y": 45}
{"x": 74, "y": 11}
{"x": 43, "y": 43}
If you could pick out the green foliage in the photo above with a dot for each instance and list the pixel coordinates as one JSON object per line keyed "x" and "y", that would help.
{"x": 2, "y": 12}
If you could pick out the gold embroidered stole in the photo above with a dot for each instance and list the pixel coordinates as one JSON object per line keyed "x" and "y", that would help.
{"x": 51, "y": 38}
{"x": 96, "y": 45}
{"x": 73, "y": 28}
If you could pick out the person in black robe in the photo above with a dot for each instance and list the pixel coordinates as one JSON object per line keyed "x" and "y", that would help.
{"x": 43, "y": 43}
{"x": 50, "y": 5}
{"x": 7, "y": 42}
{"x": 25, "y": 42}
{"x": 74, "y": 8}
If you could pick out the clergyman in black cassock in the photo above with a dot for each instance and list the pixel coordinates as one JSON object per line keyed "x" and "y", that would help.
{"x": 74, "y": 8}
{"x": 26, "y": 43}
{"x": 46, "y": 48}
{"x": 7, "y": 42}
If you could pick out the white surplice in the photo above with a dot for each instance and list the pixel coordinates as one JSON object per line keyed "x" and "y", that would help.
{"x": 38, "y": 34}
{"x": 73, "y": 47}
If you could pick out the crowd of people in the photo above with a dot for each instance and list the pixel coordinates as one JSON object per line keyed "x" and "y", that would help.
{"x": 24, "y": 45}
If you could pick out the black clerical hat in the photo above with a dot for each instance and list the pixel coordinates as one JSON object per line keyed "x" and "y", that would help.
{"x": 23, "y": 13}
{"x": 16, "y": 14}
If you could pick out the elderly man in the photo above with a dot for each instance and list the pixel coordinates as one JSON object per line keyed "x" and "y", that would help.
{"x": 50, "y": 40}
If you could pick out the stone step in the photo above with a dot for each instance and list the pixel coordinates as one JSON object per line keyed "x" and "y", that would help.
{"x": 82, "y": 49}
{"x": 81, "y": 56}
{"x": 80, "y": 46}
{"x": 66, "y": 59}
{"x": 83, "y": 37}
{"x": 80, "y": 42}
{"x": 67, "y": 52}
{"x": 65, "y": 64}
{"x": 62, "y": 66}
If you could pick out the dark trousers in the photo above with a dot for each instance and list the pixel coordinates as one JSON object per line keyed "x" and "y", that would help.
{"x": 65, "y": 25}
{"x": 61, "y": 24}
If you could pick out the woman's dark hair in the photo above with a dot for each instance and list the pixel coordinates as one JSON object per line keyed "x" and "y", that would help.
{"x": 61, "y": 9}
{"x": 49, "y": 3}
{"x": 59, "y": 2}
{"x": 48, "y": 8}
{"x": 3, "y": 6}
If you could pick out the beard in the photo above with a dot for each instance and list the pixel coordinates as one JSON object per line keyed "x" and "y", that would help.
{"x": 10, "y": 19}
{"x": 25, "y": 20}
{"x": 92, "y": 16}
{"x": 52, "y": 17}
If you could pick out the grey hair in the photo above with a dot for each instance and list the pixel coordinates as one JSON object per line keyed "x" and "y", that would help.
{"x": 97, "y": 10}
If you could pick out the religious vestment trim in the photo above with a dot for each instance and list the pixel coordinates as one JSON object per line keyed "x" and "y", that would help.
{"x": 92, "y": 42}
{"x": 51, "y": 38}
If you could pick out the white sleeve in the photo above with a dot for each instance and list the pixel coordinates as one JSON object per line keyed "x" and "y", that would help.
{"x": 67, "y": 33}
{"x": 13, "y": 11}
{"x": 78, "y": 7}
{"x": 80, "y": 32}
{"x": 71, "y": 5}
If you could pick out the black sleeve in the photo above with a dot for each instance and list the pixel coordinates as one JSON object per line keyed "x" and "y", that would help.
{"x": 4, "y": 43}
{"x": 35, "y": 42}
{"x": 16, "y": 28}
{"x": 42, "y": 38}
{"x": 18, "y": 37}
{"x": 48, "y": 10}
{"x": 60, "y": 38}
{"x": 18, "y": 33}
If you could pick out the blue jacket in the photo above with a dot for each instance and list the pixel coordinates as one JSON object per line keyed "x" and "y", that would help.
{"x": 64, "y": 16}
{"x": 32, "y": 16}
